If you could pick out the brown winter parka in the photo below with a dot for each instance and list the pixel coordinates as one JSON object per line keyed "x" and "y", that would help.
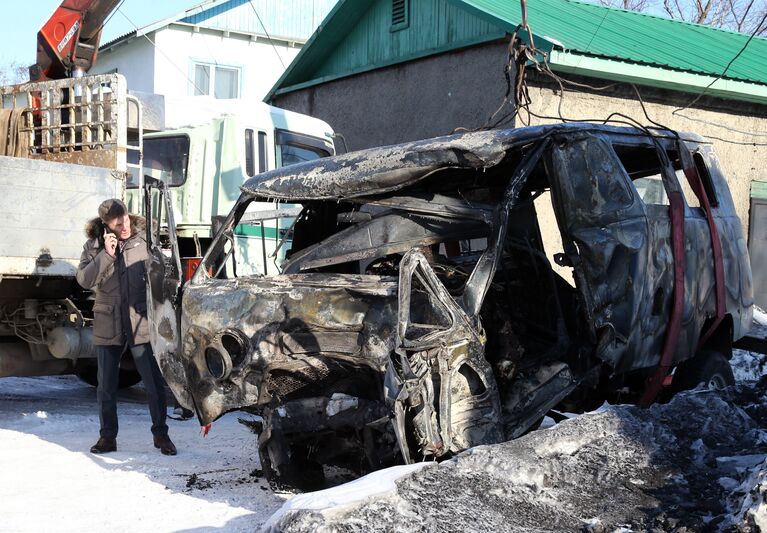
{"x": 119, "y": 312}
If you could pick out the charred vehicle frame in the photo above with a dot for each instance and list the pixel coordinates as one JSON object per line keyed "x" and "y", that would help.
{"x": 420, "y": 311}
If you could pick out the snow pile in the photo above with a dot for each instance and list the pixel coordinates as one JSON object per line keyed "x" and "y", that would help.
{"x": 350, "y": 493}
{"x": 52, "y": 482}
{"x": 751, "y": 366}
{"x": 620, "y": 468}
{"x": 748, "y": 501}
{"x": 760, "y": 316}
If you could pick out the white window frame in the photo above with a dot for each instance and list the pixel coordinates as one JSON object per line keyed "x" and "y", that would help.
{"x": 212, "y": 66}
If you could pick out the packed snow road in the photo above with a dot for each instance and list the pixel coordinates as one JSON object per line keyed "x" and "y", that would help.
{"x": 52, "y": 483}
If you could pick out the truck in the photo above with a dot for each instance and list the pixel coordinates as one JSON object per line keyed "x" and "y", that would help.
{"x": 70, "y": 141}
{"x": 67, "y": 151}
{"x": 79, "y": 141}
{"x": 204, "y": 164}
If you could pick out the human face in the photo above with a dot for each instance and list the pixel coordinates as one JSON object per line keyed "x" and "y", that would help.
{"x": 120, "y": 226}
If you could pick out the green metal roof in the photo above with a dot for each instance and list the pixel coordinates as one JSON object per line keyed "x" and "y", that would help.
{"x": 355, "y": 37}
{"x": 617, "y": 34}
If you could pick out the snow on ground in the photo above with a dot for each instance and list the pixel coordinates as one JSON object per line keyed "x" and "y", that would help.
{"x": 53, "y": 483}
{"x": 750, "y": 366}
{"x": 698, "y": 463}
{"x": 609, "y": 470}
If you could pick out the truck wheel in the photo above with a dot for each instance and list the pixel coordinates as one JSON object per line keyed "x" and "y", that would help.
{"x": 708, "y": 368}
{"x": 88, "y": 372}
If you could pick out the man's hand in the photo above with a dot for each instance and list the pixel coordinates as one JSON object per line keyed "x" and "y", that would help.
{"x": 110, "y": 242}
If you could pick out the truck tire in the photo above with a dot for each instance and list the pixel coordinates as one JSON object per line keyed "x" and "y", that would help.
{"x": 88, "y": 372}
{"x": 709, "y": 368}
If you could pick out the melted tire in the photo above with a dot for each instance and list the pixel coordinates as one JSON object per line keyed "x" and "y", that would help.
{"x": 296, "y": 473}
{"x": 708, "y": 368}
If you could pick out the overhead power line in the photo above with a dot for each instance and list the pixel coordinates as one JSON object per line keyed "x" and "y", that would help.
{"x": 266, "y": 33}
{"x": 186, "y": 75}
{"x": 743, "y": 49}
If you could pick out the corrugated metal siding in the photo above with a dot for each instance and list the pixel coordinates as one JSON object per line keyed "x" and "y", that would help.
{"x": 619, "y": 34}
{"x": 433, "y": 24}
{"x": 296, "y": 19}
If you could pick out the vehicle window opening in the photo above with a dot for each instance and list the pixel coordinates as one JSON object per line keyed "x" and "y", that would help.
{"x": 643, "y": 166}
{"x": 250, "y": 167}
{"x": 295, "y": 148}
{"x": 537, "y": 302}
{"x": 426, "y": 314}
{"x": 258, "y": 242}
{"x": 705, "y": 178}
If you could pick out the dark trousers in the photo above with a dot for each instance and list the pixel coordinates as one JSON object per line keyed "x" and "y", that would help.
{"x": 109, "y": 368}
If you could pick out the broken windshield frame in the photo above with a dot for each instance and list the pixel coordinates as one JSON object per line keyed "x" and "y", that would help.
{"x": 422, "y": 220}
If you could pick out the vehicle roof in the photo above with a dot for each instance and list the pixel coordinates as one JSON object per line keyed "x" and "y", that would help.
{"x": 389, "y": 168}
{"x": 248, "y": 112}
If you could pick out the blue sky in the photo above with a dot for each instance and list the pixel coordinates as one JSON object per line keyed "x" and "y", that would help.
{"x": 22, "y": 22}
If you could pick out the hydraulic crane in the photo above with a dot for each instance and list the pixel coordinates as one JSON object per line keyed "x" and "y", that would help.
{"x": 68, "y": 42}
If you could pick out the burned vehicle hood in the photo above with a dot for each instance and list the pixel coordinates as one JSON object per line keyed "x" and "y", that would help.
{"x": 242, "y": 328}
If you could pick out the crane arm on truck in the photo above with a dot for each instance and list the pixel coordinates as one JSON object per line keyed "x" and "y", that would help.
{"x": 68, "y": 42}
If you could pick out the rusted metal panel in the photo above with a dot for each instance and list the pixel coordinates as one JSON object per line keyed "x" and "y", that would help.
{"x": 80, "y": 120}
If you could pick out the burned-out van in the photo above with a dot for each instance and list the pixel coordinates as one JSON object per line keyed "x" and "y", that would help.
{"x": 445, "y": 293}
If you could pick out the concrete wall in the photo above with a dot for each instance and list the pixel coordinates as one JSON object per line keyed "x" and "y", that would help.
{"x": 415, "y": 100}
{"x": 434, "y": 95}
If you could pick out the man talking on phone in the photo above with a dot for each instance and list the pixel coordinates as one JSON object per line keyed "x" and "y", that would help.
{"x": 114, "y": 264}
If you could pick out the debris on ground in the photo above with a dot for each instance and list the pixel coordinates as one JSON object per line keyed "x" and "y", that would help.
{"x": 698, "y": 462}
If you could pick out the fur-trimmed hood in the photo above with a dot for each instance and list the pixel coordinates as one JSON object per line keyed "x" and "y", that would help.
{"x": 94, "y": 229}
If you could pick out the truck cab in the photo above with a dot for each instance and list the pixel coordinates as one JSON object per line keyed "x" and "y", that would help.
{"x": 205, "y": 165}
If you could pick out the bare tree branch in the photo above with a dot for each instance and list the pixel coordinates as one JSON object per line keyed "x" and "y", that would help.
{"x": 737, "y": 15}
{"x": 13, "y": 72}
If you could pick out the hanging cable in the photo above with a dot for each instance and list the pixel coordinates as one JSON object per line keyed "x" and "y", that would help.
{"x": 162, "y": 53}
{"x": 748, "y": 41}
{"x": 112, "y": 14}
{"x": 267, "y": 33}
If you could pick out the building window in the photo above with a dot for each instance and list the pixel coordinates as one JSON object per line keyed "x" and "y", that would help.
{"x": 399, "y": 14}
{"x": 216, "y": 80}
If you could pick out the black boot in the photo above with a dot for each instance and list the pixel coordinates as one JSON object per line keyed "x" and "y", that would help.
{"x": 165, "y": 444}
{"x": 104, "y": 445}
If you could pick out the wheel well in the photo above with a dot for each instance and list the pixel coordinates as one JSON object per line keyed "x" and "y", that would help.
{"x": 721, "y": 339}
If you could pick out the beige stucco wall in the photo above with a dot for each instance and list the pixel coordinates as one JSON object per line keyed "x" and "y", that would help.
{"x": 741, "y": 164}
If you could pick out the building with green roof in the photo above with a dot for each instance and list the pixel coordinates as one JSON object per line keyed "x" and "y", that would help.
{"x": 580, "y": 38}
{"x": 388, "y": 71}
